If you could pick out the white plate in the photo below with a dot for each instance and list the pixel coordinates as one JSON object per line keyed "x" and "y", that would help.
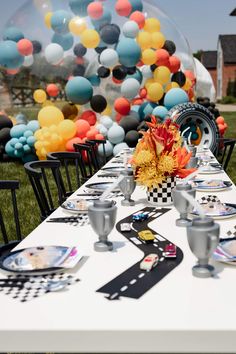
{"x": 211, "y": 171}
{"x": 77, "y": 205}
{"x": 227, "y": 215}
{"x": 205, "y": 188}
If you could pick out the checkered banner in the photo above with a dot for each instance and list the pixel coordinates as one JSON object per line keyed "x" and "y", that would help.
{"x": 162, "y": 195}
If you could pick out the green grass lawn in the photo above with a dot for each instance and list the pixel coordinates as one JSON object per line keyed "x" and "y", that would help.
{"x": 28, "y": 208}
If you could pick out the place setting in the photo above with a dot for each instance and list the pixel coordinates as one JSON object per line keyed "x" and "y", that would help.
{"x": 215, "y": 209}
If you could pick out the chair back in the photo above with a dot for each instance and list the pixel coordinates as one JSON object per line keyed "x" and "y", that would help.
{"x": 100, "y": 161}
{"x": 10, "y": 186}
{"x": 71, "y": 170}
{"x": 224, "y": 155}
{"x": 45, "y": 179}
{"x": 88, "y": 160}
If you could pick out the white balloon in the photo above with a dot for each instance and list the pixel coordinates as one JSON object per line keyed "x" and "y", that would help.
{"x": 147, "y": 72}
{"x": 116, "y": 134}
{"x": 109, "y": 57}
{"x": 119, "y": 147}
{"x": 130, "y": 29}
{"x": 108, "y": 149}
{"x": 28, "y": 60}
{"x": 54, "y": 53}
{"x": 106, "y": 121}
{"x": 103, "y": 130}
{"x": 130, "y": 88}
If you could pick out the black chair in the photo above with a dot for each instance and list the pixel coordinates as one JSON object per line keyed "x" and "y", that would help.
{"x": 225, "y": 149}
{"x": 101, "y": 161}
{"x": 89, "y": 162}
{"x": 72, "y": 166}
{"x": 45, "y": 178}
{"x": 10, "y": 186}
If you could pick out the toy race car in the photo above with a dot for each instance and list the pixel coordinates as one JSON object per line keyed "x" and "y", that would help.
{"x": 140, "y": 217}
{"x": 149, "y": 262}
{"x": 146, "y": 235}
{"x": 170, "y": 251}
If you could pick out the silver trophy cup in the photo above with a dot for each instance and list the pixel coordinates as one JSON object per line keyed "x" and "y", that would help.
{"x": 203, "y": 238}
{"x": 181, "y": 204}
{"x": 127, "y": 186}
{"x": 193, "y": 149}
{"x": 102, "y": 217}
{"x": 193, "y": 162}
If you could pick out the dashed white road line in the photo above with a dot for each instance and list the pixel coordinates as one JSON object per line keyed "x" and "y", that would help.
{"x": 133, "y": 281}
{"x": 114, "y": 295}
{"x": 141, "y": 275}
{"x": 124, "y": 288}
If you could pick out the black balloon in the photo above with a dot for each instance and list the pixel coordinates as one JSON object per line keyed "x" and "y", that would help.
{"x": 103, "y": 72}
{"x": 5, "y": 135}
{"x": 99, "y": 50}
{"x": 110, "y": 34}
{"x": 131, "y": 71}
{"x": 98, "y": 103}
{"x": 129, "y": 123}
{"x": 119, "y": 72}
{"x": 131, "y": 138}
{"x": 70, "y": 111}
{"x": 37, "y": 47}
{"x": 79, "y": 70}
{"x": 5, "y": 122}
{"x": 170, "y": 47}
{"x": 80, "y": 50}
{"x": 153, "y": 67}
{"x": 179, "y": 77}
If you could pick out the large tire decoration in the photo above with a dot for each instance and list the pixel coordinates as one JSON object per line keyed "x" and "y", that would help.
{"x": 201, "y": 122}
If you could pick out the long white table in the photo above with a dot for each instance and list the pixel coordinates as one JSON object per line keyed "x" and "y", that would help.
{"x": 180, "y": 314}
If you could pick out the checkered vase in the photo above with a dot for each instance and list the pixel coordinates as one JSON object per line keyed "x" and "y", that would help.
{"x": 162, "y": 194}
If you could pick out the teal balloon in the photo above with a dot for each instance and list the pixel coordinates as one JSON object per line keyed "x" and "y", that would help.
{"x": 137, "y": 5}
{"x": 18, "y": 146}
{"x": 12, "y": 34}
{"x": 19, "y": 153}
{"x": 94, "y": 80}
{"x": 22, "y": 140}
{"x": 174, "y": 97}
{"x": 27, "y": 149}
{"x": 79, "y": 90}
{"x": 60, "y": 20}
{"x": 18, "y": 130}
{"x": 31, "y": 141}
{"x": 66, "y": 41}
{"x": 9, "y": 148}
{"x": 105, "y": 19}
{"x": 79, "y": 7}
{"x": 137, "y": 76}
{"x": 13, "y": 141}
{"x": 28, "y": 133}
{"x": 33, "y": 125}
{"x": 161, "y": 112}
{"x": 129, "y": 52}
{"x": 10, "y": 58}
{"x": 146, "y": 109}
{"x": 29, "y": 157}
{"x": 21, "y": 118}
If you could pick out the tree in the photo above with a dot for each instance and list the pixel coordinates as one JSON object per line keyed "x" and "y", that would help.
{"x": 198, "y": 54}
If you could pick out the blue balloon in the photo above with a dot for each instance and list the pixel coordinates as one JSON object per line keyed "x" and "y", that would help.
{"x": 136, "y": 5}
{"x": 18, "y": 130}
{"x": 31, "y": 141}
{"x": 116, "y": 134}
{"x": 129, "y": 52}
{"x": 12, "y": 34}
{"x": 137, "y": 75}
{"x": 28, "y": 133}
{"x": 33, "y": 125}
{"x": 175, "y": 96}
{"x": 22, "y": 140}
{"x": 146, "y": 109}
{"x": 13, "y": 141}
{"x": 60, "y": 20}
{"x": 18, "y": 146}
{"x": 9, "y": 148}
{"x": 79, "y": 90}
{"x": 10, "y": 58}
{"x": 66, "y": 41}
{"x": 105, "y": 19}
{"x": 94, "y": 80}
{"x": 29, "y": 158}
{"x": 27, "y": 149}
{"x": 161, "y": 112}
{"x": 79, "y": 7}
{"x": 108, "y": 149}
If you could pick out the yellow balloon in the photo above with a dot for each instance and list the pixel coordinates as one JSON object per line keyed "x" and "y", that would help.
{"x": 158, "y": 40}
{"x": 155, "y": 92}
{"x": 171, "y": 85}
{"x": 144, "y": 39}
{"x": 152, "y": 25}
{"x": 107, "y": 111}
{"x": 50, "y": 115}
{"x": 40, "y": 96}
{"x": 149, "y": 56}
{"x": 90, "y": 38}
{"x": 162, "y": 75}
{"x": 77, "y": 26}
{"x": 187, "y": 85}
{"x": 47, "y": 19}
{"x": 67, "y": 129}
{"x": 149, "y": 82}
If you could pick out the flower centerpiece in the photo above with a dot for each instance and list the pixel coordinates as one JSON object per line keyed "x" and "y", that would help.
{"x": 159, "y": 158}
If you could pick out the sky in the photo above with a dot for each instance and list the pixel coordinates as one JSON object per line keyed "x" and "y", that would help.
{"x": 200, "y": 21}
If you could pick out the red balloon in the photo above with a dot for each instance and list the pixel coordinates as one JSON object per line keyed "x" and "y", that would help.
{"x": 221, "y": 128}
{"x": 118, "y": 117}
{"x": 52, "y": 90}
{"x": 137, "y": 101}
{"x": 90, "y": 117}
{"x": 139, "y": 18}
{"x": 122, "y": 106}
{"x": 190, "y": 75}
{"x": 71, "y": 142}
{"x": 117, "y": 82}
{"x": 191, "y": 94}
{"x": 12, "y": 71}
{"x": 174, "y": 64}
{"x": 220, "y": 120}
{"x": 123, "y": 7}
{"x": 82, "y": 127}
{"x": 162, "y": 57}
{"x": 143, "y": 93}
{"x": 95, "y": 10}
{"x": 25, "y": 47}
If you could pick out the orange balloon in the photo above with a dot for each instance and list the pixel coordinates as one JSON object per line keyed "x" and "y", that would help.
{"x": 99, "y": 137}
{"x": 52, "y": 90}
{"x": 70, "y": 143}
{"x": 221, "y": 128}
{"x": 95, "y": 10}
{"x": 82, "y": 127}
{"x": 91, "y": 134}
{"x": 25, "y": 47}
{"x": 122, "y": 106}
{"x": 139, "y": 18}
{"x": 220, "y": 120}
{"x": 123, "y": 7}
{"x": 174, "y": 64}
{"x": 162, "y": 57}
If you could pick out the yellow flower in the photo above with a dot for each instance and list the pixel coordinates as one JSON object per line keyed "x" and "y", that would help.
{"x": 144, "y": 157}
{"x": 166, "y": 164}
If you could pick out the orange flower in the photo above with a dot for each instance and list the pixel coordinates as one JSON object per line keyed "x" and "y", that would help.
{"x": 182, "y": 158}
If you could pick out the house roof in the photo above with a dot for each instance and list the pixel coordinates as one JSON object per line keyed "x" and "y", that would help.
{"x": 233, "y": 13}
{"x": 228, "y": 44}
{"x": 209, "y": 59}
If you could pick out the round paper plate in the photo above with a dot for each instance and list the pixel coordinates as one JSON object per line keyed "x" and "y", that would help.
{"x": 77, "y": 205}
{"x": 211, "y": 170}
{"x": 100, "y": 187}
{"x": 212, "y": 186}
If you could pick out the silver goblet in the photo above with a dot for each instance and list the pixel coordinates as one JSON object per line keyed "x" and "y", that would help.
{"x": 127, "y": 186}
{"x": 102, "y": 217}
{"x": 181, "y": 204}
{"x": 203, "y": 238}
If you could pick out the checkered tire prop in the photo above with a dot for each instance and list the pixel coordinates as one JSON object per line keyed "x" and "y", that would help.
{"x": 162, "y": 194}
